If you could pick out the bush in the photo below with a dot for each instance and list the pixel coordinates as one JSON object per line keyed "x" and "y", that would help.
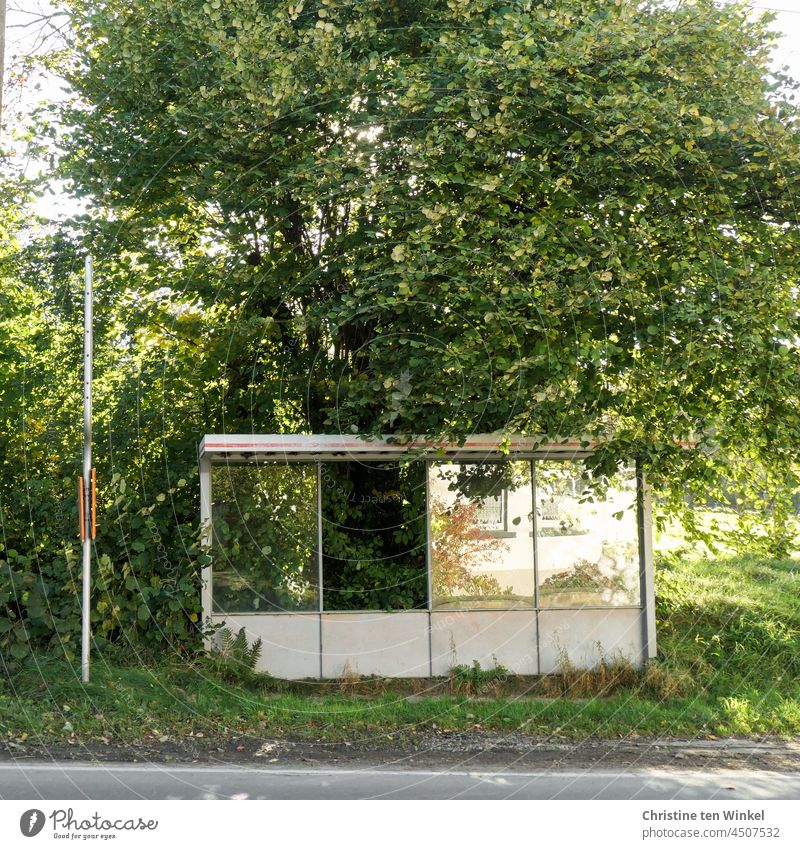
{"x": 146, "y": 575}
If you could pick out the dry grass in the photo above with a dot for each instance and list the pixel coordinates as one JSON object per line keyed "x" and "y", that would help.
{"x": 609, "y": 676}
{"x": 349, "y": 682}
{"x": 664, "y": 682}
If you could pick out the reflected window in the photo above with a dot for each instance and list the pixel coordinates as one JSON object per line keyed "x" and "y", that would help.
{"x": 587, "y": 537}
{"x": 492, "y": 512}
{"x": 264, "y": 529}
{"x": 480, "y": 524}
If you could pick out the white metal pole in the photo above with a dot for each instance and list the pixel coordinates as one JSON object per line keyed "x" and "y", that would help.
{"x": 2, "y": 54}
{"x": 87, "y": 471}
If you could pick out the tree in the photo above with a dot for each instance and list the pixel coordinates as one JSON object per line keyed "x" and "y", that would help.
{"x": 563, "y": 217}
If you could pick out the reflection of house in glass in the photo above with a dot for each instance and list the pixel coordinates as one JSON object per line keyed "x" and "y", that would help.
{"x": 403, "y": 559}
{"x": 493, "y": 512}
{"x": 587, "y": 548}
{"x": 497, "y": 557}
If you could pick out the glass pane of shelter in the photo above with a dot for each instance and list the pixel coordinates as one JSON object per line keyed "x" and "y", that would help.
{"x": 373, "y": 536}
{"x": 587, "y": 541}
{"x": 264, "y": 526}
{"x": 481, "y": 535}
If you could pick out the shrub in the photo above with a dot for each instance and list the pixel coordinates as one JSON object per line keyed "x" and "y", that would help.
{"x": 146, "y": 576}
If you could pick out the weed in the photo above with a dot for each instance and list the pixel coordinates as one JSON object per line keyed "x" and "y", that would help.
{"x": 475, "y": 680}
{"x": 234, "y": 659}
{"x": 349, "y": 681}
{"x": 661, "y": 681}
{"x": 608, "y": 676}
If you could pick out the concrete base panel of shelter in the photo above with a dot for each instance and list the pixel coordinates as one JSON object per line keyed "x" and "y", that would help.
{"x": 289, "y": 641}
{"x": 392, "y": 645}
{"x": 585, "y": 637}
{"x": 492, "y": 637}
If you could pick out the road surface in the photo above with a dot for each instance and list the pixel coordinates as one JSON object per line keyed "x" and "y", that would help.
{"x": 73, "y": 781}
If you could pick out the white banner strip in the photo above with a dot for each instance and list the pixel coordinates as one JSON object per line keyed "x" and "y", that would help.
{"x": 402, "y": 825}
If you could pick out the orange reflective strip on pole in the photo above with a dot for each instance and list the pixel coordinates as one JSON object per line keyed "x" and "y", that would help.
{"x": 94, "y": 503}
{"x": 81, "y": 514}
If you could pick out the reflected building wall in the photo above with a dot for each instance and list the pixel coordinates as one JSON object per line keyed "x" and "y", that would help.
{"x": 587, "y": 543}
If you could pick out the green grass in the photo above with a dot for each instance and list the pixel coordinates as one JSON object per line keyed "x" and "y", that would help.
{"x": 729, "y": 664}
{"x": 733, "y": 623}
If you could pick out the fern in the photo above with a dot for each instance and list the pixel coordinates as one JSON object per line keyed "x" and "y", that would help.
{"x": 233, "y": 656}
{"x": 252, "y": 654}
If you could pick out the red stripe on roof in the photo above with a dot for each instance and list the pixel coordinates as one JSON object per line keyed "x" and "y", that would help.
{"x": 379, "y": 445}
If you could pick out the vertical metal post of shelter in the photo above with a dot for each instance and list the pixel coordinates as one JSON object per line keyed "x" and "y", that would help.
{"x": 644, "y": 524}
{"x": 206, "y": 500}
{"x": 87, "y": 490}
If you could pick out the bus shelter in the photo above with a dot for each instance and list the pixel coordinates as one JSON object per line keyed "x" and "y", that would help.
{"x": 404, "y": 558}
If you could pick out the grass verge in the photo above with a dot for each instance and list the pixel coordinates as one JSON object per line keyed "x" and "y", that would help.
{"x": 729, "y": 664}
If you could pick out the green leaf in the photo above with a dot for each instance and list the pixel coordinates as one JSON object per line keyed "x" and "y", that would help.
{"x": 19, "y": 650}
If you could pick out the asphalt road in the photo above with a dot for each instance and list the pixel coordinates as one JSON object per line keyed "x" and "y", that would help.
{"x": 74, "y": 781}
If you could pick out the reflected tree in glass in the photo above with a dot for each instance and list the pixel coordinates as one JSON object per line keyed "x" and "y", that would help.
{"x": 264, "y": 525}
{"x": 373, "y": 536}
{"x": 481, "y": 546}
